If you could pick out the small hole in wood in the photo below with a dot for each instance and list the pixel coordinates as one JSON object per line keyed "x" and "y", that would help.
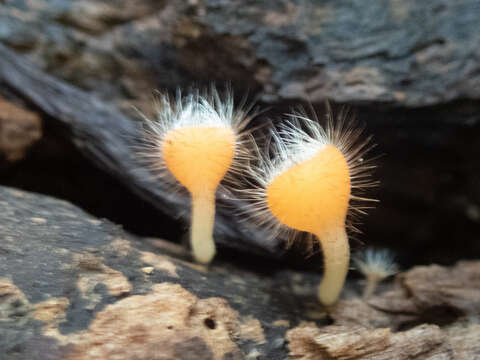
{"x": 210, "y": 323}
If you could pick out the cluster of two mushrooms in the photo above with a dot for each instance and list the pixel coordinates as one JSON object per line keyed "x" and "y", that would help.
{"x": 304, "y": 179}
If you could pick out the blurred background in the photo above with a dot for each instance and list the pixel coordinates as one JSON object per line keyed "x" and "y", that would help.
{"x": 409, "y": 69}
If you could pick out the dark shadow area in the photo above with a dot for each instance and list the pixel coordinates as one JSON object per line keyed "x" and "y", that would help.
{"x": 55, "y": 167}
{"x": 440, "y": 315}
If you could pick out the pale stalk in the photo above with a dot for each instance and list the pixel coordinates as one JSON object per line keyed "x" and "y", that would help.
{"x": 201, "y": 236}
{"x": 372, "y": 283}
{"x": 336, "y": 258}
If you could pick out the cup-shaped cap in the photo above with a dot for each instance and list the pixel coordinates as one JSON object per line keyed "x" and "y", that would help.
{"x": 312, "y": 195}
{"x": 199, "y": 156}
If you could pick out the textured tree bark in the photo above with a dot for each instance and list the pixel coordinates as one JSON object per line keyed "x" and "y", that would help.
{"x": 400, "y": 53}
{"x": 410, "y": 66}
{"x": 76, "y": 287}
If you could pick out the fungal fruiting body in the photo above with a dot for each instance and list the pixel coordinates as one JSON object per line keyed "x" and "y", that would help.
{"x": 199, "y": 158}
{"x": 312, "y": 196}
{"x": 375, "y": 265}
{"x": 196, "y": 139}
{"x": 307, "y": 187}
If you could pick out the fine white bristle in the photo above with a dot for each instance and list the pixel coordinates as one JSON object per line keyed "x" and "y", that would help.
{"x": 380, "y": 263}
{"x": 197, "y": 109}
{"x": 294, "y": 141}
{"x": 375, "y": 265}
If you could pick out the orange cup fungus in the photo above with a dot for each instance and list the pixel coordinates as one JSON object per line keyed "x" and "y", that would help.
{"x": 199, "y": 157}
{"x": 196, "y": 142}
{"x": 313, "y": 196}
{"x": 307, "y": 187}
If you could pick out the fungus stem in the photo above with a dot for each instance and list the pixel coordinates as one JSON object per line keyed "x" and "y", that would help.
{"x": 201, "y": 236}
{"x": 372, "y": 282}
{"x": 336, "y": 258}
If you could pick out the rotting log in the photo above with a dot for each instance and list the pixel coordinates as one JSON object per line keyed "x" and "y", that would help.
{"x": 76, "y": 287}
{"x": 403, "y": 53}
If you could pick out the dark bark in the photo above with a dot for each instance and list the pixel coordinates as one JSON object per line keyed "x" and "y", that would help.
{"x": 402, "y": 53}
{"x": 75, "y": 287}
{"x": 411, "y": 66}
